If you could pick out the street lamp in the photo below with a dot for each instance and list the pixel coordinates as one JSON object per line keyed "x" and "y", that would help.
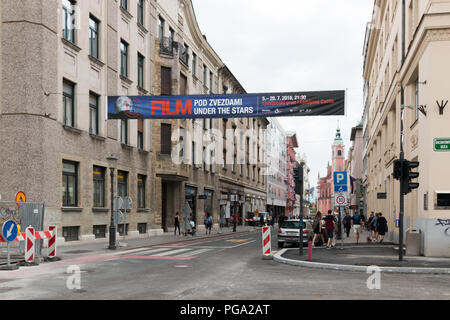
{"x": 112, "y": 161}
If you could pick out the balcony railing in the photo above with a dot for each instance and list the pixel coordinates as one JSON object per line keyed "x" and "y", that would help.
{"x": 167, "y": 45}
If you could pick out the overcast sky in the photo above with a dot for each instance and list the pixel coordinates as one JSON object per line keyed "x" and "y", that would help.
{"x": 294, "y": 45}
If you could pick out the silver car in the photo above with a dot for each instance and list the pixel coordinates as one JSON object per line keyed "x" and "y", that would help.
{"x": 290, "y": 230}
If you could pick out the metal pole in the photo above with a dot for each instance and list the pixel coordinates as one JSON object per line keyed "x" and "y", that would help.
{"x": 402, "y": 155}
{"x": 301, "y": 211}
{"x": 9, "y": 258}
{"x": 112, "y": 226}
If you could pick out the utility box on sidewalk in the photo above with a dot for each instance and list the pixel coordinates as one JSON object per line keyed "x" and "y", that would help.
{"x": 414, "y": 242}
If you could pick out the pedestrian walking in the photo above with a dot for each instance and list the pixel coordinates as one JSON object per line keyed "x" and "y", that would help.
{"x": 347, "y": 221}
{"x": 330, "y": 225}
{"x": 317, "y": 228}
{"x": 261, "y": 220}
{"x": 187, "y": 213}
{"x": 235, "y": 221}
{"x": 374, "y": 228}
{"x": 177, "y": 224}
{"x": 209, "y": 223}
{"x": 356, "y": 221}
{"x": 382, "y": 226}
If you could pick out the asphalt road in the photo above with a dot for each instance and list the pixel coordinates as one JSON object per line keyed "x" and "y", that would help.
{"x": 228, "y": 268}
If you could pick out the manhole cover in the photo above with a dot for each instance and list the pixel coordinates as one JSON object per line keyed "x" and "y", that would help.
{"x": 78, "y": 251}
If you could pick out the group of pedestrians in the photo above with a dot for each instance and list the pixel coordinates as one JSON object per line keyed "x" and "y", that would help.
{"x": 327, "y": 226}
{"x": 377, "y": 226}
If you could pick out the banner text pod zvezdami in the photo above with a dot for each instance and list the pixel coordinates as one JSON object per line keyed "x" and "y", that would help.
{"x": 315, "y": 103}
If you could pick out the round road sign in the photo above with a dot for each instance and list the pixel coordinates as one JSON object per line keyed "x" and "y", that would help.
{"x": 21, "y": 198}
{"x": 340, "y": 200}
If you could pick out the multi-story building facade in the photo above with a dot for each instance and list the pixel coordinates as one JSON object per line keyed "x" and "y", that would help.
{"x": 221, "y": 162}
{"x": 55, "y": 82}
{"x": 406, "y": 53}
{"x": 53, "y": 124}
{"x": 291, "y": 163}
{"x": 354, "y": 168}
{"x": 276, "y": 161}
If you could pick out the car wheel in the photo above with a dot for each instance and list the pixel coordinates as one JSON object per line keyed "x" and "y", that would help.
{"x": 280, "y": 244}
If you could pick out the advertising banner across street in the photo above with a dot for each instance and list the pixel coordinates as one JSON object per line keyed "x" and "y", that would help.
{"x": 315, "y": 103}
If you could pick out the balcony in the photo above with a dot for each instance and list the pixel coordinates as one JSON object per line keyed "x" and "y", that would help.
{"x": 166, "y": 46}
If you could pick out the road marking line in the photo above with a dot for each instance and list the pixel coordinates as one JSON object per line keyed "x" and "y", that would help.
{"x": 171, "y": 252}
{"x": 193, "y": 253}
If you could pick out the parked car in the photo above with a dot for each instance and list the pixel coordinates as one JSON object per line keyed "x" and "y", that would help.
{"x": 290, "y": 230}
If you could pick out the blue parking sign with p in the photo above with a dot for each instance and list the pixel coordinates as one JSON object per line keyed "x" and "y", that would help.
{"x": 340, "y": 178}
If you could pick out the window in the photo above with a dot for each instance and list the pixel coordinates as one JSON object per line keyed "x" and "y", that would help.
{"x": 71, "y": 233}
{"x": 224, "y": 164}
{"x": 142, "y": 228}
{"x": 141, "y": 190}
{"x": 140, "y": 67}
{"x": 204, "y": 74}
{"x": 93, "y": 113}
{"x": 160, "y": 28}
{"x": 194, "y": 64}
{"x": 99, "y": 187}
{"x": 204, "y": 158}
{"x": 99, "y": 231}
{"x": 166, "y": 81}
{"x": 68, "y": 103}
{"x": 70, "y": 184}
{"x": 166, "y": 139}
{"x": 68, "y": 24}
{"x": 93, "y": 37}
{"x": 124, "y": 59}
{"x": 140, "y": 136}
{"x": 122, "y": 184}
{"x": 443, "y": 199}
{"x": 124, "y": 4}
{"x": 193, "y": 153}
{"x": 124, "y": 131}
{"x": 140, "y": 12}
{"x": 210, "y": 81}
{"x": 184, "y": 54}
{"x": 211, "y": 164}
{"x": 183, "y": 84}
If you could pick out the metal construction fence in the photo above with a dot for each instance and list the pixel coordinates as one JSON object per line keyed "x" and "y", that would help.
{"x": 26, "y": 214}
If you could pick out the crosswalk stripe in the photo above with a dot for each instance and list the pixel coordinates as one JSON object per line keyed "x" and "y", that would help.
{"x": 150, "y": 252}
{"x": 193, "y": 253}
{"x": 171, "y": 252}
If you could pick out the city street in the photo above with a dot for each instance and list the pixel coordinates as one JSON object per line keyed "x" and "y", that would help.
{"x": 224, "y": 268}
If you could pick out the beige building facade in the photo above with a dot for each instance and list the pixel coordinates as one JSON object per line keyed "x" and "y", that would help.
{"x": 409, "y": 55}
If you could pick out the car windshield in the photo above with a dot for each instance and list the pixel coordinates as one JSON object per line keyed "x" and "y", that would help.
{"x": 295, "y": 224}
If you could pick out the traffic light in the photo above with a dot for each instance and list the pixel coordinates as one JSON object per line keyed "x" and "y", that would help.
{"x": 298, "y": 178}
{"x": 408, "y": 175}
{"x": 398, "y": 170}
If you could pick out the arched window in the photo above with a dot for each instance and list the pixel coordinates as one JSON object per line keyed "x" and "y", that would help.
{"x": 339, "y": 153}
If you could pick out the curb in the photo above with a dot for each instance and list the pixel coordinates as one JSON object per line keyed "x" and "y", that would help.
{"x": 341, "y": 267}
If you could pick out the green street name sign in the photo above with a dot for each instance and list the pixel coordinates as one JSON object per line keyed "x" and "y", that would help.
{"x": 442, "y": 144}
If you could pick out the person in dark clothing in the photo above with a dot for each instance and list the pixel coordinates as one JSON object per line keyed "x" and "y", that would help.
{"x": 177, "y": 223}
{"x": 261, "y": 220}
{"x": 347, "y": 223}
{"x": 381, "y": 226}
{"x": 330, "y": 225}
{"x": 235, "y": 221}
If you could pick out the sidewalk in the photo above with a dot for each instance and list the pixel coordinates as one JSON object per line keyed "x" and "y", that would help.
{"x": 357, "y": 257}
{"x": 99, "y": 246}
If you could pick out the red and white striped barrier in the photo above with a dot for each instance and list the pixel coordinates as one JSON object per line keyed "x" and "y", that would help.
{"x": 51, "y": 250}
{"x": 30, "y": 235}
{"x": 29, "y": 244}
{"x": 266, "y": 243}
